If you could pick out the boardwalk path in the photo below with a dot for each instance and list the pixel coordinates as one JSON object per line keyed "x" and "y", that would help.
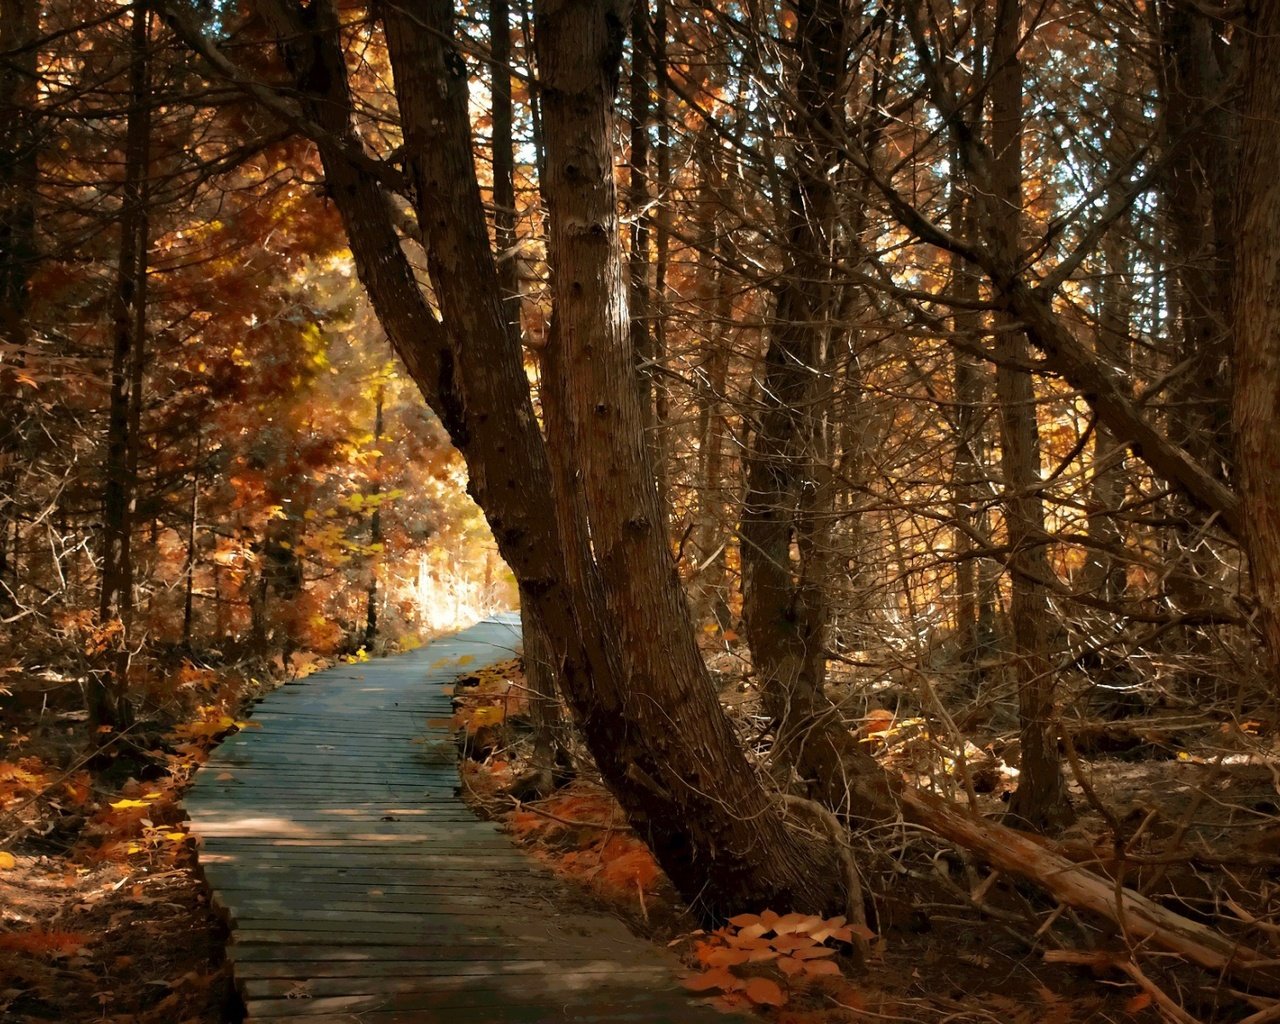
{"x": 362, "y": 891}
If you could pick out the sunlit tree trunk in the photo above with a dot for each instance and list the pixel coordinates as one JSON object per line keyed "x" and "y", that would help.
{"x": 375, "y": 530}
{"x": 189, "y": 565}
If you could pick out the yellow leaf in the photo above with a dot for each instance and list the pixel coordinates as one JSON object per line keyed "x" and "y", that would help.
{"x": 7, "y": 861}
{"x": 124, "y": 805}
{"x": 466, "y": 659}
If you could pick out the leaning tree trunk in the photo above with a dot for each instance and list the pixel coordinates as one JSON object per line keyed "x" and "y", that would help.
{"x": 594, "y": 405}
{"x": 611, "y": 604}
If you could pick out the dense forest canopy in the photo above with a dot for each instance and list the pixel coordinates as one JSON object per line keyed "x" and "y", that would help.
{"x": 908, "y": 356}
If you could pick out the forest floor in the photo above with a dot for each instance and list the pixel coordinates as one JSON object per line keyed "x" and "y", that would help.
{"x": 104, "y": 918}
{"x": 953, "y": 943}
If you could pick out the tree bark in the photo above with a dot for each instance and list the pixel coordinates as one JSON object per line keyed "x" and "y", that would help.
{"x": 19, "y": 134}
{"x": 375, "y": 531}
{"x": 1041, "y": 797}
{"x": 106, "y": 696}
{"x": 788, "y": 469}
{"x": 611, "y": 606}
{"x": 1256, "y": 411}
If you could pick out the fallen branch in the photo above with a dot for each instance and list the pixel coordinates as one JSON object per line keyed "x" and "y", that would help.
{"x": 1140, "y": 919}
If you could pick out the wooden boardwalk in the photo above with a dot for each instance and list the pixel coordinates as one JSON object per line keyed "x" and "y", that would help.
{"x": 361, "y": 890}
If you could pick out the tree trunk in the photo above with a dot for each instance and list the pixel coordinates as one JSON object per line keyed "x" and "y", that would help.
{"x": 189, "y": 568}
{"x": 786, "y": 508}
{"x": 106, "y": 698}
{"x": 375, "y": 532}
{"x": 19, "y": 136}
{"x": 611, "y": 606}
{"x": 1041, "y": 798}
{"x": 1256, "y": 411}
{"x": 504, "y": 191}
{"x": 596, "y": 404}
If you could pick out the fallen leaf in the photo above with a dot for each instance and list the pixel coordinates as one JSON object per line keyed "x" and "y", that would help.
{"x": 1139, "y": 1002}
{"x": 765, "y": 992}
{"x": 717, "y": 978}
{"x": 7, "y": 861}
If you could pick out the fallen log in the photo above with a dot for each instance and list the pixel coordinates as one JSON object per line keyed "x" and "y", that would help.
{"x": 847, "y": 779}
{"x": 1141, "y": 920}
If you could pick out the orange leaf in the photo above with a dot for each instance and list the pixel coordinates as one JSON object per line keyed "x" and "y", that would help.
{"x": 813, "y": 953}
{"x": 1139, "y": 1002}
{"x": 719, "y": 978}
{"x": 789, "y": 965}
{"x": 765, "y": 991}
{"x": 742, "y": 920}
{"x": 724, "y": 957}
{"x": 816, "y": 968}
{"x": 790, "y": 923}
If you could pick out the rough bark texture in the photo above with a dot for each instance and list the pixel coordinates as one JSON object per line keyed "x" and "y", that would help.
{"x": 1257, "y": 317}
{"x": 628, "y": 665}
{"x": 787, "y": 502}
{"x": 105, "y": 696}
{"x": 594, "y": 404}
{"x": 19, "y": 136}
{"x": 1041, "y": 797}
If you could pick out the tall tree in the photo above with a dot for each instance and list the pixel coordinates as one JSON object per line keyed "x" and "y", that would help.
{"x": 612, "y": 607}
{"x": 1256, "y": 319}
{"x": 1041, "y": 796}
{"x": 107, "y": 698}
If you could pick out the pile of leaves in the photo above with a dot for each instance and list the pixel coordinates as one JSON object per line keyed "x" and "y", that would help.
{"x": 581, "y": 833}
{"x": 768, "y": 959}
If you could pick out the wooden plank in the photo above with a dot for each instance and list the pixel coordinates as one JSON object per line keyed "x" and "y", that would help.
{"x": 343, "y": 971}
{"x": 571, "y": 977}
{"x": 436, "y": 1007}
{"x": 335, "y": 841}
{"x": 492, "y": 934}
{"x": 290, "y": 947}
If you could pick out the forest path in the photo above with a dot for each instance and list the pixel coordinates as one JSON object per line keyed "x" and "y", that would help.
{"x": 361, "y": 890}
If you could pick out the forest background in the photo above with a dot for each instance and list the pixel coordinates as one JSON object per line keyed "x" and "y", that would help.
{"x": 910, "y": 360}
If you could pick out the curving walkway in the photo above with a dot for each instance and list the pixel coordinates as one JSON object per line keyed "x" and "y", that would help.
{"x": 361, "y": 890}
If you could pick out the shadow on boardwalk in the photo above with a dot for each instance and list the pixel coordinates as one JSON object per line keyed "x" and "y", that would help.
{"x": 361, "y": 890}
